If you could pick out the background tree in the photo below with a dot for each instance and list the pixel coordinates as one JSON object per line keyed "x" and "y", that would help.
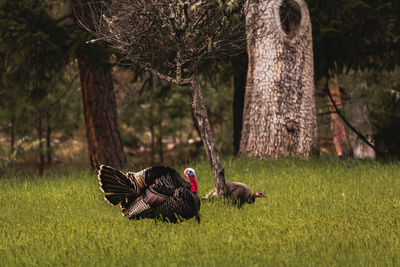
{"x": 356, "y": 92}
{"x": 99, "y": 102}
{"x": 339, "y": 135}
{"x": 239, "y": 65}
{"x": 183, "y": 35}
{"x": 279, "y": 111}
{"x": 38, "y": 41}
{"x": 38, "y": 44}
{"x": 35, "y": 49}
{"x": 352, "y": 36}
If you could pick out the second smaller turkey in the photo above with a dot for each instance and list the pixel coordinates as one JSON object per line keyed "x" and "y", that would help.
{"x": 237, "y": 193}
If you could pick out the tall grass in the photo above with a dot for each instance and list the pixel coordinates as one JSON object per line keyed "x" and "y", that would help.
{"x": 317, "y": 212}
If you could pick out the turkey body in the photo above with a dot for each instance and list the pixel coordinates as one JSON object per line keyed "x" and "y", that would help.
{"x": 156, "y": 192}
{"x": 237, "y": 193}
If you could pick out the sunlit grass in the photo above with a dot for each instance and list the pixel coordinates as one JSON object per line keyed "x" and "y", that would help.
{"x": 317, "y": 212}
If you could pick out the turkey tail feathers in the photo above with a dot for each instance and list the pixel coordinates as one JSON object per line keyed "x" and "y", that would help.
{"x": 114, "y": 199}
{"x": 116, "y": 184}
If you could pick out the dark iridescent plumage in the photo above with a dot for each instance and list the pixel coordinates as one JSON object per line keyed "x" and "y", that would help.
{"x": 156, "y": 192}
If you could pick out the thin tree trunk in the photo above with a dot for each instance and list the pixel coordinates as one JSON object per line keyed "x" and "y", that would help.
{"x": 339, "y": 135}
{"x": 152, "y": 142}
{"x": 239, "y": 83}
{"x": 48, "y": 141}
{"x": 41, "y": 164}
{"x": 200, "y": 114}
{"x": 160, "y": 142}
{"x": 279, "y": 112}
{"x": 12, "y": 132}
{"x": 152, "y": 131}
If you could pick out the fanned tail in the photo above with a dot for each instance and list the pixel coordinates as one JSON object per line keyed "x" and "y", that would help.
{"x": 116, "y": 185}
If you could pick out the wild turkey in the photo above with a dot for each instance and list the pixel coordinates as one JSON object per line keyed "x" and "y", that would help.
{"x": 237, "y": 193}
{"x": 156, "y": 192}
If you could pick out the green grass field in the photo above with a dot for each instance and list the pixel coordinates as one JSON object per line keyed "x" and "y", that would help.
{"x": 317, "y": 212}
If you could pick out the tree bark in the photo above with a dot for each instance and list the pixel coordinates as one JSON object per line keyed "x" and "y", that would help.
{"x": 279, "y": 112}
{"x": 339, "y": 135}
{"x": 206, "y": 134}
{"x": 99, "y": 103}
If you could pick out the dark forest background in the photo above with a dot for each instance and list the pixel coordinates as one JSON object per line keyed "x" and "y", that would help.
{"x": 42, "y": 106}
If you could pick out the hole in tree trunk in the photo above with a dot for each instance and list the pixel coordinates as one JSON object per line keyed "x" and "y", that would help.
{"x": 290, "y": 16}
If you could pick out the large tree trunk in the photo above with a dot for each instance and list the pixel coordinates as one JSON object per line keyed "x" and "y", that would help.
{"x": 339, "y": 135}
{"x": 279, "y": 113}
{"x": 104, "y": 139}
{"x": 207, "y": 137}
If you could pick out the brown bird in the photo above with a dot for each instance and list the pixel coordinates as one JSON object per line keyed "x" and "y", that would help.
{"x": 237, "y": 193}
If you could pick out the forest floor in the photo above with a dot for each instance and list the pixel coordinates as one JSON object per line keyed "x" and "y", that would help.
{"x": 317, "y": 212}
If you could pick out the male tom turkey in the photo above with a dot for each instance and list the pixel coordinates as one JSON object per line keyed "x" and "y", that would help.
{"x": 156, "y": 192}
{"x": 237, "y": 193}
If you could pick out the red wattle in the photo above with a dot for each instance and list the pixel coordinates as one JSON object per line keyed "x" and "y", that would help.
{"x": 193, "y": 183}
